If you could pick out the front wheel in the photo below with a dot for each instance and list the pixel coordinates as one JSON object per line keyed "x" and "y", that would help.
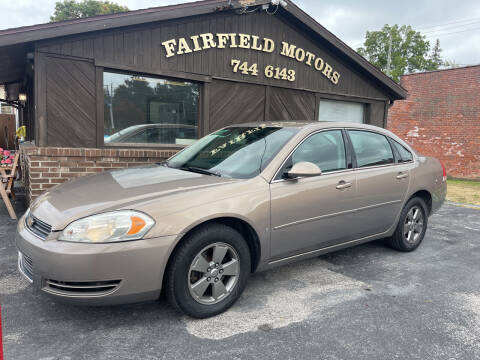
{"x": 209, "y": 271}
{"x": 411, "y": 227}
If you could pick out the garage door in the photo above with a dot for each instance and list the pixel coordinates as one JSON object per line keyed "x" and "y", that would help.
{"x": 333, "y": 110}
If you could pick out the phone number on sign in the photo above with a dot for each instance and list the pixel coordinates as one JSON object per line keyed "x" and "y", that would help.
{"x": 270, "y": 71}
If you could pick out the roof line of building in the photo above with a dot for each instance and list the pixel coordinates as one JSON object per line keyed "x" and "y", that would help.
{"x": 439, "y": 70}
{"x": 103, "y": 22}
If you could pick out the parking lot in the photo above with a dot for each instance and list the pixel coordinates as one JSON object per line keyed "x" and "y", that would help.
{"x": 366, "y": 302}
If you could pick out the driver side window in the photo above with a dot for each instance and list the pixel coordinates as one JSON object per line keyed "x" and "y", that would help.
{"x": 325, "y": 149}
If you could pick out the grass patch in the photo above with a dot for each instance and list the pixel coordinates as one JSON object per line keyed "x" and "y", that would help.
{"x": 463, "y": 191}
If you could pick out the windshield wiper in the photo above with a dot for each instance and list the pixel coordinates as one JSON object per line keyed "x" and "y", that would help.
{"x": 200, "y": 170}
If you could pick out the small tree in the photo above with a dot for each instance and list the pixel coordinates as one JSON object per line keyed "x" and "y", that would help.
{"x": 409, "y": 50}
{"x": 435, "y": 58}
{"x": 71, "y": 9}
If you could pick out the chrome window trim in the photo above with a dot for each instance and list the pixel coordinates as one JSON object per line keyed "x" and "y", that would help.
{"x": 323, "y": 174}
{"x": 272, "y": 181}
{"x": 414, "y": 155}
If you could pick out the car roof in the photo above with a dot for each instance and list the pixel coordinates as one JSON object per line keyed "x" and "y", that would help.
{"x": 313, "y": 125}
{"x": 307, "y": 127}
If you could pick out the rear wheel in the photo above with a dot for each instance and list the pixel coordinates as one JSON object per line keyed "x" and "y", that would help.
{"x": 209, "y": 271}
{"x": 411, "y": 227}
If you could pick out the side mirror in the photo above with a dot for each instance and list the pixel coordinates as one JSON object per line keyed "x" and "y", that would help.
{"x": 304, "y": 169}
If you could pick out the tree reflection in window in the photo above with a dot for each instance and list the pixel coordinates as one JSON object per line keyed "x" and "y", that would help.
{"x": 141, "y": 109}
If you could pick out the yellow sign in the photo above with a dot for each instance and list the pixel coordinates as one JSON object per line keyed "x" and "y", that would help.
{"x": 205, "y": 41}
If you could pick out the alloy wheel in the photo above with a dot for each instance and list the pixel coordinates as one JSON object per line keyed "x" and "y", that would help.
{"x": 213, "y": 273}
{"x": 413, "y": 226}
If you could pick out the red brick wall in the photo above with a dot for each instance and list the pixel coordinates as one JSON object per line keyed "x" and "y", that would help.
{"x": 441, "y": 118}
{"x": 47, "y": 167}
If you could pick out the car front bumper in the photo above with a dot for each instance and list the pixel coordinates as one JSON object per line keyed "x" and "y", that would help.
{"x": 94, "y": 274}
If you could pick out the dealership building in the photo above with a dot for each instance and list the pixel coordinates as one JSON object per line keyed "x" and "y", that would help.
{"x": 131, "y": 88}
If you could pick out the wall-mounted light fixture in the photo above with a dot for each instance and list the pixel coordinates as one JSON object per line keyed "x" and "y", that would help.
{"x": 22, "y": 97}
{"x": 282, "y": 3}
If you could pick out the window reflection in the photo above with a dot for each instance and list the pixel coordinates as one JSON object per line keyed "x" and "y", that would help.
{"x": 146, "y": 110}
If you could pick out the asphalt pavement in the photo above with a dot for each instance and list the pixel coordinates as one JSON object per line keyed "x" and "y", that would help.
{"x": 365, "y": 302}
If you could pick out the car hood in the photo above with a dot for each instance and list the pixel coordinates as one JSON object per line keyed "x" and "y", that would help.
{"x": 115, "y": 190}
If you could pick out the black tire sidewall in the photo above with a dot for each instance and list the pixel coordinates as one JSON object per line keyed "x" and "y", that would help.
{"x": 178, "y": 274}
{"x": 402, "y": 243}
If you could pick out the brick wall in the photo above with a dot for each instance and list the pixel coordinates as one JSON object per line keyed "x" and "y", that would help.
{"x": 46, "y": 167}
{"x": 441, "y": 118}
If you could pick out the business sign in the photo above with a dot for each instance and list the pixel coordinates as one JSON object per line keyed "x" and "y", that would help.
{"x": 200, "y": 42}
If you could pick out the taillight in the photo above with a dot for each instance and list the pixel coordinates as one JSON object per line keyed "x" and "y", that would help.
{"x": 444, "y": 171}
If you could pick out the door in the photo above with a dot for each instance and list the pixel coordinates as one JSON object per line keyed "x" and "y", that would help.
{"x": 382, "y": 183}
{"x": 313, "y": 212}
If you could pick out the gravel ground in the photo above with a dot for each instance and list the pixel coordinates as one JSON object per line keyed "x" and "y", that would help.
{"x": 366, "y": 302}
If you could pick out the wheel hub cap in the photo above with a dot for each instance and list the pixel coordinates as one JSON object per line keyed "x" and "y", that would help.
{"x": 214, "y": 272}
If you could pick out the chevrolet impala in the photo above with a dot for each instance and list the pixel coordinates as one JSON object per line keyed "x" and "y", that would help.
{"x": 243, "y": 199}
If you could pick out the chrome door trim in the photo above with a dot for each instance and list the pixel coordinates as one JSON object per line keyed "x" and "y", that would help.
{"x": 312, "y": 252}
{"x": 335, "y": 214}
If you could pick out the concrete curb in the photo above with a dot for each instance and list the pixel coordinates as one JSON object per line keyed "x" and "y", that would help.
{"x": 470, "y": 206}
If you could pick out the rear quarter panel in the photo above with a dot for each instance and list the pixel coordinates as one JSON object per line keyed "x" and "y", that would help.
{"x": 428, "y": 175}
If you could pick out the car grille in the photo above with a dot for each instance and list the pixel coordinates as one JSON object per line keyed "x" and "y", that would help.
{"x": 25, "y": 265}
{"x": 81, "y": 288}
{"x": 38, "y": 227}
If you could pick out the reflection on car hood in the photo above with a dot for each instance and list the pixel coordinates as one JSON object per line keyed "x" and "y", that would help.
{"x": 114, "y": 190}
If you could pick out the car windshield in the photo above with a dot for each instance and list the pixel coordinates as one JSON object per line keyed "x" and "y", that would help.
{"x": 235, "y": 152}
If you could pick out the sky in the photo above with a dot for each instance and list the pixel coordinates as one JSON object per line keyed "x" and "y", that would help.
{"x": 455, "y": 23}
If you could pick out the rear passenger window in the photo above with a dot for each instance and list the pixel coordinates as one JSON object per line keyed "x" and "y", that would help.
{"x": 370, "y": 148}
{"x": 404, "y": 154}
{"x": 325, "y": 149}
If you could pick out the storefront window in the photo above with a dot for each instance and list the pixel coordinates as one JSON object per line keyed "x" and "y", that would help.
{"x": 144, "y": 110}
{"x": 333, "y": 110}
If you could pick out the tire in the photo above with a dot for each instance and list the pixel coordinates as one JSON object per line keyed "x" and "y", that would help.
{"x": 187, "y": 268}
{"x": 408, "y": 235}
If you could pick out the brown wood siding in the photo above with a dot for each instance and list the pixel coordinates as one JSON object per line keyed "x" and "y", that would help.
{"x": 235, "y": 103}
{"x": 288, "y": 104}
{"x": 229, "y": 98}
{"x": 70, "y": 102}
{"x": 376, "y": 113}
{"x": 141, "y": 47}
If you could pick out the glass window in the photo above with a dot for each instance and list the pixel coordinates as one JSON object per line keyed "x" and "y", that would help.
{"x": 333, "y": 110}
{"x": 325, "y": 149}
{"x": 146, "y": 110}
{"x": 236, "y": 152}
{"x": 371, "y": 148}
{"x": 404, "y": 154}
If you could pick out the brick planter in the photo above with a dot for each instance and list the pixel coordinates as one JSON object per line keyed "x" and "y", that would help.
{"x": 44, "y": 168}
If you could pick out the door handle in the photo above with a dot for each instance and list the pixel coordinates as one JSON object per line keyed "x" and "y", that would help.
{"x": 342, "y": 184}
{"x": 402, "y": 175}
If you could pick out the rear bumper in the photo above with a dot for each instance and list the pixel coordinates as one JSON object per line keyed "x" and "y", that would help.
{"x": 94, "y": 274}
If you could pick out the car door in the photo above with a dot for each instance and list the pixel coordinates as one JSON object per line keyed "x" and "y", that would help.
{"x": 313, "y": 212}
{"x": 382, "y": 182}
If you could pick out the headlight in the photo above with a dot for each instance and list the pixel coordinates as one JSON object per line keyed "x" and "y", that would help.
{"x": 113, "y": 226}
